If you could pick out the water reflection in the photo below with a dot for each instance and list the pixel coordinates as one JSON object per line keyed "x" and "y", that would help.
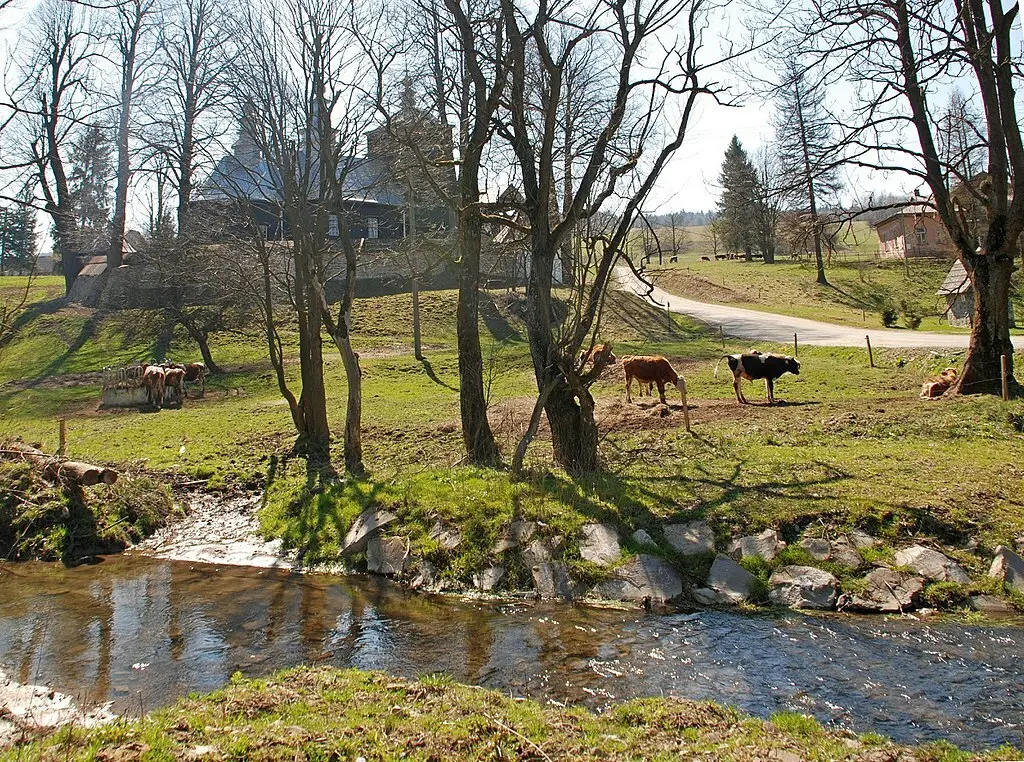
{"x": 141, "y": 632}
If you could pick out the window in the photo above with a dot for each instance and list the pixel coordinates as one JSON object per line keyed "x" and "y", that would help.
{"x": 332, "y": 226}
{"x": 921, "y": 234}
{"x": 372, "y": 228}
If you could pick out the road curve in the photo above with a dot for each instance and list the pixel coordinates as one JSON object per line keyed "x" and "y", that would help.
{"x": 770, "y": 326}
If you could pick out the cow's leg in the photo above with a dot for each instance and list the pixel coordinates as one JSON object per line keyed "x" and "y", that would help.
{"x": 769, "y": 387}
{"x": 629, "y": 383}
{"x": 739, "y": 393}
{"x": 661, "y": 391}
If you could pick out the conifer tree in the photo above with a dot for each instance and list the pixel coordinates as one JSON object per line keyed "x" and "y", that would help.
{"x": 91, "y": 175}
{"x": 737, "y": 208}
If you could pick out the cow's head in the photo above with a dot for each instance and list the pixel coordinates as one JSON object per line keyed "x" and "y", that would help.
{"x": 605, "y": 354}
{"x": 793, "y": 366}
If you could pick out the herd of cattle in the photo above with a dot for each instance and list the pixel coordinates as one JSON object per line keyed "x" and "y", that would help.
{"x": 168, "y": 377}
{"x": 163, "y": 383}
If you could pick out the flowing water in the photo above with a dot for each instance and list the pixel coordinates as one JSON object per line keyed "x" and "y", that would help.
{"x": 141, "y": 632}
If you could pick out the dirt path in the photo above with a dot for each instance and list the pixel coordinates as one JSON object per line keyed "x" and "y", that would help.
{"x": 217, "y": 530}
{"x": 770, "y": 326}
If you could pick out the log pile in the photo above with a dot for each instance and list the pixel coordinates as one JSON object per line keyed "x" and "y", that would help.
{"x": 58, "y": 469}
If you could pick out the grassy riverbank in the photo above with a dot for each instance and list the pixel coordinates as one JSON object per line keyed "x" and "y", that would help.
{"x": 323, "y": 713}
{"x": 850, "y": 446}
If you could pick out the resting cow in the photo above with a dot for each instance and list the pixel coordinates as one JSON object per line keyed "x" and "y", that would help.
{"x": 655, "y": 370}
{"x": 153, "y": 378}
{"x": 754, "y": 365}
{"x": 938, "y": 385}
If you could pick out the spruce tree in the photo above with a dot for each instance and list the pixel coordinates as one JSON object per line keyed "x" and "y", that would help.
{"x": 737, "y": 208}
{"x": 91, "y": 176}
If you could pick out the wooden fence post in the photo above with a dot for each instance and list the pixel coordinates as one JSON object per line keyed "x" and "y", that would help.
{"x": 796, "y": 352}
{"x": 721, "y": 334}
{"x": 1004, "y": 367}
{"x": 871, "y": 357}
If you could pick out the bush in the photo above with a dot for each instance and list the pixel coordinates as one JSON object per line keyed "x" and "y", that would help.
{"x": 911, "y": 315}
{"x": 889, "y": 316}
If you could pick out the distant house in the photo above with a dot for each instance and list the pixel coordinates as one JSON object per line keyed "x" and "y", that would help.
{"x": 913, "y": 231}
{"x": 958, "y": 292}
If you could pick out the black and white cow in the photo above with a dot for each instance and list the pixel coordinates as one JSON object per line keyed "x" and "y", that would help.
{"x": 755, "y": 365}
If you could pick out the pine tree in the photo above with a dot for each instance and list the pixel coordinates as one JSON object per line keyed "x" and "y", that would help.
{"x": 91, "y": 175}
{"x": 807, "y": 156}
{"x": 18, "y": 235}
{"x": 737, "y": 208}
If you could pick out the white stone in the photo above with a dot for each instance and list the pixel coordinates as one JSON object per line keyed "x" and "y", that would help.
{"x": 931, "y": 564}
{"x": 691, "y": 538}
{"x": 599, "y": 544}
{"x": 640, "y": 537}
{"x": 642, "y": 577}
{"x": 816, "y": 547}
{"x": 766, "y": 545}
{"x": 884, "y": 591}
{"x": 489, "y": 578}
{"x": 369, "y": 523}
{"x": 1008, "y": 567}
{"x": 803, "y": 587}
{"x": 733, "y": 583}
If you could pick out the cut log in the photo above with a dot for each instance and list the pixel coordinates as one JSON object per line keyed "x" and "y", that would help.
{"x": 73, "y": 471}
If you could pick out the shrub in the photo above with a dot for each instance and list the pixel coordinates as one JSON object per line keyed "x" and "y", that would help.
{"x": 889, "y": 316}
{"x": 911, "y": 315}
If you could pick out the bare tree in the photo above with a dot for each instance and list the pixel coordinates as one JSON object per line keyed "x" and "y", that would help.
{"x": 769, "y": 201}
{"x": 808, "y": 155}
{"x": 902, "y": 55}
{"x": 621, "y": 160}
{"x": 192, "y": 95}
{"x": 134, "y": 23}
{"x": 292, "y": 82}
{"x": 51, "y": 99}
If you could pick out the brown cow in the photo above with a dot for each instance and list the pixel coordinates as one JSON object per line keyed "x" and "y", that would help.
{"x": 655, "y": 370}
{"x": 153, "y": 378}
{"x": 174, "y": 378}
{"x": 196, "y": 372}
{"x": 938, "y": 385}
{"x": 598, "y": 351}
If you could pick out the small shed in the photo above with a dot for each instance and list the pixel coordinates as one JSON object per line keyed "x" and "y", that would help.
{"x": 959, "y": 294}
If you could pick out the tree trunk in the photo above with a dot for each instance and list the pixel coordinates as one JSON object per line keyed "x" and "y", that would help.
{"x": 354, "y": 407}
{"x": 115, "y": 256}
{"x": 202, "y": 340}
{"x": 315, "y": 440}
{"x": 481, "y": 449}
{"x": 417, "y": 346}
{"x": 990, "y": 332}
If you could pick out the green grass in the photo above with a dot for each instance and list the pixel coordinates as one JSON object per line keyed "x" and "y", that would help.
{"x": 324, "y": 713}
{"x": 849, "y": 446}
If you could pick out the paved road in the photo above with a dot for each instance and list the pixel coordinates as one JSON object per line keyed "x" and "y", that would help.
{"x": 769, "y": 326}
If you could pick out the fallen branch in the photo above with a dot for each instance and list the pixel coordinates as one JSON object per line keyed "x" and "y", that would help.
{"x": 73, "y": 471}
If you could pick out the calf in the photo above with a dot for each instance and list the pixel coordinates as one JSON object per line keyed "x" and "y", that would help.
{"x": 754, "y": 365}
{"x": 938, "y": 385}
{"x": 655, "y": 370}
{"x": 153, "y": 378}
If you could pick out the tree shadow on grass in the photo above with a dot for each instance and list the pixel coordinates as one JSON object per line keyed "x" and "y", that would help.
{"x": 429, "y": 370}
{"x": 314, "y": 517}
{"x": 87, "y": 332}
{"x": 496, "y": 323}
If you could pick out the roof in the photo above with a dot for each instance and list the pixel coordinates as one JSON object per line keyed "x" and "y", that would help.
{"x": 910, "y": 210}
{"x": 956, "y": 281}
{"x": 363, "y": 179}
{"x": 96, "y": 265}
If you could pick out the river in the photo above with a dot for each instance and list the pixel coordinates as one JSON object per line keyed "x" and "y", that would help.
{"x": 142, "y": 632}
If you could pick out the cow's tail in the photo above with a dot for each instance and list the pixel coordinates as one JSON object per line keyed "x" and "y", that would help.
{"x": 723, "y": 357}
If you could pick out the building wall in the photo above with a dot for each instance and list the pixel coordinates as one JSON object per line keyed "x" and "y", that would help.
{"x": 911, "y": 235}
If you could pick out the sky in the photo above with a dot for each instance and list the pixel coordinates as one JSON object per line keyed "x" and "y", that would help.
{"x": 690, "y": 180}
